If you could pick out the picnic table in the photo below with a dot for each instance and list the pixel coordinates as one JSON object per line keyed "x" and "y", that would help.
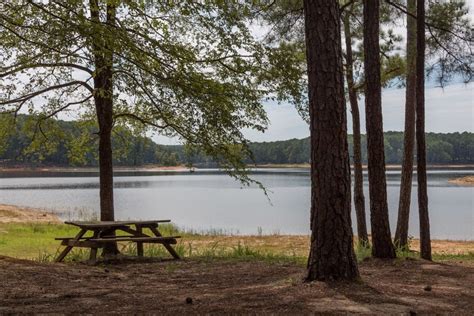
{"x": 105, "y": 232}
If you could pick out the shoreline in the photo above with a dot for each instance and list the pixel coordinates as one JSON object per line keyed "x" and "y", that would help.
{"x": 183, "y": 168}
{"x": 465, "y": 181}
{"x": 151, "y": 168}
{"x": 19, "y": 214}
{"x": 12, "y": 214}
{"x": 364, "y": 166}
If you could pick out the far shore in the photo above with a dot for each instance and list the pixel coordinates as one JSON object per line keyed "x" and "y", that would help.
{"x": 183, "y": 168}
{"x": 389, "y": 166}
{"x": 144, "y": 168}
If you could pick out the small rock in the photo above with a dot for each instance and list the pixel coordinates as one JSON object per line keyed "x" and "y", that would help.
{"x": 427, "y": 288}
{"x": 189, "y": 300}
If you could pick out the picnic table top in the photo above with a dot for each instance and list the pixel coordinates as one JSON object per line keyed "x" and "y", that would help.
{"x": 106, "y": 224}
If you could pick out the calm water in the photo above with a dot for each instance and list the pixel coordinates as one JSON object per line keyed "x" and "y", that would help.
{"x": 209, "y": 200}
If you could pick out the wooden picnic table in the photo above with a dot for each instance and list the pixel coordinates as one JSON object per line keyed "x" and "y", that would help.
{"x": 105, "y": 232}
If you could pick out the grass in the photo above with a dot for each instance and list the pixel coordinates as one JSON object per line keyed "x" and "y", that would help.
{"x": 453, "y": 257}
{"x": 35, "y": 241}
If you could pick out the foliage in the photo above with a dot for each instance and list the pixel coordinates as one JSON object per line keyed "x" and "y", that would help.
{"x": 138, "y": 150}
{"x": 449, "y": 45}
{"x": 449, "y": 41}
{"x": 187, "y": 69}
{"x": 285, "y": 38}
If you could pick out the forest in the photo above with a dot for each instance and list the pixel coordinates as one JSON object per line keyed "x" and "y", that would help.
{"x": 130, "y": 150}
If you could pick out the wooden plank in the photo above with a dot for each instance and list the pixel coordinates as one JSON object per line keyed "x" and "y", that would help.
{"x": 139, "y": 243}
{"x": 168, "y": 247}
{"x": 69, "y": 238}
{"x": 81, "y": 243}
{"x": 66, "y": 250}
{"x": 93, "y": 253}
{"x": 82, "y": 238}
{"x": 170, "y": 239}
{"x": 110, "y": 224}
{"x": 133, "y": 232}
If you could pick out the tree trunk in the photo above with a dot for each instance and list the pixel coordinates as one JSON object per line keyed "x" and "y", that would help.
{"x": 401, "y": 234}
{"x": 382, "y": 246}
{"x": 103, "y": 98}
{"x": 425, "y": 239}
{"x": 331, "y": 252}
{"x": 359, "y": 200}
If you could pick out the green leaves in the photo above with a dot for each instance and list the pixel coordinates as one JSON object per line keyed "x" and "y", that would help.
{"x": 449, "y": 41}
{"x": 186, "y": 69}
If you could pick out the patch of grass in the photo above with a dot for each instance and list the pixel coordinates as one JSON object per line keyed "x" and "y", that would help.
{"x": 362, "y": 251}
{"x": 214, "y": 251}
{"x": 36, "y": 241}
{"x": 453, "y": 257}
{"x": 245, "y": 253}
{"x": 30, "y": 240}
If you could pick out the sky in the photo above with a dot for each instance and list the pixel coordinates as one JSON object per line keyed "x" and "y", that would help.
{"x": 448, "y": 109}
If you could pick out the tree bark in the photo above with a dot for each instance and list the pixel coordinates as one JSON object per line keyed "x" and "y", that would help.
{"x": 103, "y": 98}
{"x": 382, "y": 246}
{"x": 401, "y": 234}
{"x": 331, "y": 252}
{"x": 425, "y": 239}
{"x": 359, "y": 200}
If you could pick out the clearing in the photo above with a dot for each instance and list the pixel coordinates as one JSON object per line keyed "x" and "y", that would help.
{"x": 220, "y": 274}
{"x": 232, "y": 286}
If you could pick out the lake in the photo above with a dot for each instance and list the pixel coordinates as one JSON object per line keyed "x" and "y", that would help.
{"x": 208, "y": 200}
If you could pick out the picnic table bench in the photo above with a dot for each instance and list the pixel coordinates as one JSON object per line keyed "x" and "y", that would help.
{"x": 104, "y": 233}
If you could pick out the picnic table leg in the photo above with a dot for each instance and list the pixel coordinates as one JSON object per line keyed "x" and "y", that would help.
{"x": 167, "y": 245}
{"x": 68, "y": 248}
{"x": 93, "y": 254}
{"x": 139, "y": 244}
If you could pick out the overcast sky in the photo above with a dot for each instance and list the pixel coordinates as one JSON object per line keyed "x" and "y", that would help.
{"x": 447, "y": 110}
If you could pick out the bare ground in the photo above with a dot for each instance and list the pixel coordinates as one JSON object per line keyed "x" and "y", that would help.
{"x": 236, "y": 287}
{"x": 468, "y": 181}
{"x": 17, "y": 214}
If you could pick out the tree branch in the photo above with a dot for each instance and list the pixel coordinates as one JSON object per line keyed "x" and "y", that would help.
{"x": 140, "y": 119}
{"x": 65, "y": 107}
{"x": 45, "y": 65}
{"x": 401, "y": 8}
{"x": 468, "y": 68}
{"x": 55, "y": 87}
{"x": 345, "y": 5}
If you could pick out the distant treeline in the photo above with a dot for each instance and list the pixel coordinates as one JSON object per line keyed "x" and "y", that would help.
{"x": 69, "y": 143}
{"x": 442, "y": 148}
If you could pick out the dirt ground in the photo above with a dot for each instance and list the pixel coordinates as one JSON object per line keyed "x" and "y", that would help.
{"x": 16, "y": 214}
{"x": 222, "y": 286}
{"x": 468, "y": 180}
